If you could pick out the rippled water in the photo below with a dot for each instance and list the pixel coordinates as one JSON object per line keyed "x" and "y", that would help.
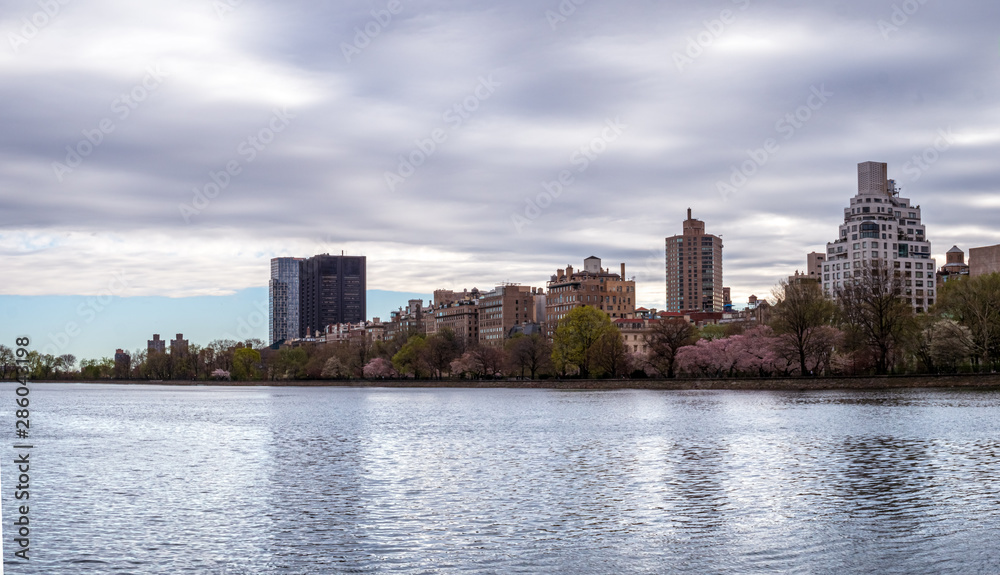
{"x": 304, "y": 480}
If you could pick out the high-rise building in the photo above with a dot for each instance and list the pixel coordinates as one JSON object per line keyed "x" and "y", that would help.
{"x": 331, "y": 291}
{"x": 123, "y": 364}
{"x": 694, "y": 269}
{"x": 178, "y": 346}
{"x": 881, "y": 226}
{"x": 283, "y": 292}
{"x": 504, "y": 308}
{"x": 457, "y": 311}
{"x": 609, "y": 292}
{"x": 156, "y": 345}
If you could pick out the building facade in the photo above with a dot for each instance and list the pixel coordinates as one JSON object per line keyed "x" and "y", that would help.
{"x": 461, "y": 316}
{"x": 156, "y": 345}
{"x": 504, "y": 308}
{"x": 954, "y": 267}
{"x": 283, "y": 299}
{"x": 332, "y": 290}
{"x": 985, "y": 260}
{"x": 694, "y": 269}
{"x": 880, "y": 226}
{"x": 178, "y": 346}
{"x": 609, "y": 292}
{"x": 814, "y": 265}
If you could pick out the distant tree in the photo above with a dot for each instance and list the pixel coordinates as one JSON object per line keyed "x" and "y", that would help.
{"x": 291, "y": 363}
{"x": 873, "y": 313}
{"x": 318, "y": 356}
{"x": 975, "y": 304}
{"x": 943, "y": 345}
{"x": 801, "y": 308}
{"x": 610, "y": 356}
{"x": 466, "y": 364}
{"x": 576, "y": 334}
{"x": 8, "y": 362}
{"x": 157, "y": 365}
{"x": 221, "y": 354}
{"x": 65, "y": 363}
{"x": 40, "y": 365}
{"x": 334, "y": 369}
{"x": 357, "y": 353}
{"x": 702, "y": 358}
{"x": 713, "y": 331}
{"x": 411, "y": 358}
{"x": 442, "y": 348}
{"x": 531, "y": 353}
{"x": 138, "y": 363}
{"x": 379, "y": 368}
{"x": 254, "y": 343}
{"x": 490, "y": 361}
{"x": 89, "y": 369}
{"x": 664, "y": 339}
{"x": 245, "y": 364}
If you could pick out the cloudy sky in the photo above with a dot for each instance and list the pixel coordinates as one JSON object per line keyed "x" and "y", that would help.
{"x": 182, "y": 145}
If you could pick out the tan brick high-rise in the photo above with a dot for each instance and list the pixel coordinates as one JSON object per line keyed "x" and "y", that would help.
{"x": 694, "y": 269}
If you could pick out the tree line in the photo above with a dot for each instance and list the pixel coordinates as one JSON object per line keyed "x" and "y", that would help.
{"x": 867, "y": 329}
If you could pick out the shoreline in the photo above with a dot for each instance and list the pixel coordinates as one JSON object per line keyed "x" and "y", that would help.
{"x": 950, "y": 381}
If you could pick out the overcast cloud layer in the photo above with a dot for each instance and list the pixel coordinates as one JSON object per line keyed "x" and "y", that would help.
{"x": 304, "y": 113}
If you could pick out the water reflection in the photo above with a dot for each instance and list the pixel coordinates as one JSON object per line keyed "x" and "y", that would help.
{"x": 166, "y": 480}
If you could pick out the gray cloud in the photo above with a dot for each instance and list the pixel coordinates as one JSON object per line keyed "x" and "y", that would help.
{"x": 322, "y": 180}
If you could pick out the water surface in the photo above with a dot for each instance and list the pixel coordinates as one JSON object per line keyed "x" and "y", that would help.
{"x": 232, "y": 481}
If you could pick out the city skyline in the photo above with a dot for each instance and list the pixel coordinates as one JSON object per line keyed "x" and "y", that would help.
{"x": 472, "y": 146}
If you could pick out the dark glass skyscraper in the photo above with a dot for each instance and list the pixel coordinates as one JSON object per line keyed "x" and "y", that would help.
{"x": 331, "y": 291}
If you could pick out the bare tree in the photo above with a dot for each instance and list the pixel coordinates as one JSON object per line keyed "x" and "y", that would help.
{"x": 442, "y": 348}
{"x": 610, "y": 353}
{"x": 975, "y": 304}
{"x": 943, "y": 345}
{"x": 664, "y": 338}
{"x": 801, "y": 308}
{"x": 530, "y": 353}
{"x": 873, "y": 313}
{"x": 489, "y": 359}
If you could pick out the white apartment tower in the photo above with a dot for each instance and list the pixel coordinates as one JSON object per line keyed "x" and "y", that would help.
{"x": 880, "y": 225}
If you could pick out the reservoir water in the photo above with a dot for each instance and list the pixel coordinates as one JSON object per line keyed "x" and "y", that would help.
{"x": 257, "y": 480}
